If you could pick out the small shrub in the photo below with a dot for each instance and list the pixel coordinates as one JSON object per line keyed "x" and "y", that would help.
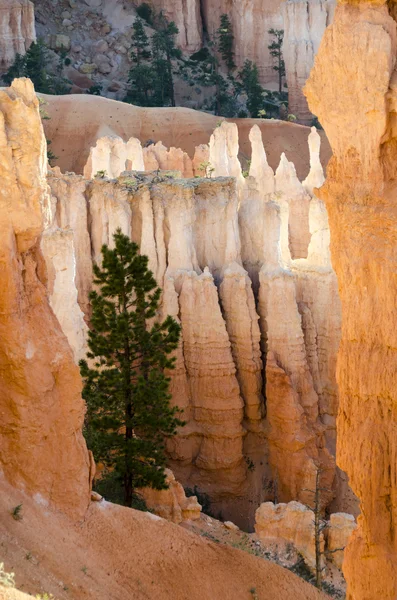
{"x": 254, "y": 594}
{"x": 95, "y": 90}
{"x": 100, "y": 174}
{"x": 301, "y": 569}
{"x": 17, "y": 513}
{"x": 250, "y": 463}
{"x": 207, "y": 169}
{"x": 331, "y": 590}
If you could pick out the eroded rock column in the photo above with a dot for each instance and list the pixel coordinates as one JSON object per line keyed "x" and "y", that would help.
{"x": 352, "y": 90}
{"x": 42, "y": 449}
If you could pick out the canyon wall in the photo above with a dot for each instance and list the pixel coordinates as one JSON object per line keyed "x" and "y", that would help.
{"x": 304, "y": 24}
{"x": 42, "y": 449}
{"x": 353, "y": 90}
{"x": 17, "y": 30}
{"x": 244, "y": 264}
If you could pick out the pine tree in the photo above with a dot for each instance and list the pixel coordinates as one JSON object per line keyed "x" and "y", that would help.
{"x": 35, "y": 65}
{"x": 125, "y": 386}
{"x": 276, "y": 50}
{"x": 17, "y": 69}
{"x": 164, "y": 52}
{"x": 249, "y": 77}
{"x": 140, "y": 43}
{"x": 141, "y": 76}
{"x": 225, "y": 42}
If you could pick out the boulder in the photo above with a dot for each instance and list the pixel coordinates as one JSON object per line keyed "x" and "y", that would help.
{"x": 172, "y": 504}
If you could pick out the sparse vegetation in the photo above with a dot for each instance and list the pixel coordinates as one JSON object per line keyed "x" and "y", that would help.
{"x": 248, "y": 461}
{"x": 276, "y": 50}
{"x": 254, "y": 594}
{"x": 36, "y": 64}
{"x": 206, "y": 169}
{"x": 100, "y": 174}
{"x": 225, "y": 38}
{"x": 17, "y": 513}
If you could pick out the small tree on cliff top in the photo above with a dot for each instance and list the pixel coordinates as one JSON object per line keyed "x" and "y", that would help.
{"x": 125, "y": 387}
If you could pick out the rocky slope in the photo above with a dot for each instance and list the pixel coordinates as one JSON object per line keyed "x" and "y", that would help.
{"x": 355, "y": 75}
{"x": 121, "y": 553}
{"x": 97, "y": 35}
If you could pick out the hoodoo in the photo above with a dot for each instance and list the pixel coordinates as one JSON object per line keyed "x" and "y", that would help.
{"x": 352, "y": 89}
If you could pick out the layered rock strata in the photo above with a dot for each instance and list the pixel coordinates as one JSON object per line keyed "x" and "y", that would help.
{"x": 355, "y": 74}
{"x": 244, "y": 265}
{"x": 42, "y": 449}
{"x": 17, "y": 30}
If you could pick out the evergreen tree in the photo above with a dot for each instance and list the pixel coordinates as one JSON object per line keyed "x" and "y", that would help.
{"x": 37, "y": 61}
{"x": 17, "y": 69}
{"x": 249, "y": 77}
{"x": 164, "y": 52}
{"x": 140, "y": 43}
{"x": 276, "y": 50}
{"x": 225, "y": 43}
{"x": 141, "y": 76}
{"x": 125, "y": 387}
{"x": 35, "y": 64}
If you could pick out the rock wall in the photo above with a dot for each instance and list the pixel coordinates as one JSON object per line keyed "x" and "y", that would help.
{"x": 17, "y": 30}
{"x": 187, "y": 16}
{"x": 244, "y": 264}
{"x": 42, "y": 449}
{"x": 304, "y": 24}
{"x": 354, "y": 74}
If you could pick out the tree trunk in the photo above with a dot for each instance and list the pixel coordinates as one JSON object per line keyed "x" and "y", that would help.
{"x": 317, "y": 531}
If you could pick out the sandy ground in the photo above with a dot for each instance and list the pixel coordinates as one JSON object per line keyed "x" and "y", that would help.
{"x": 121, "y": 554}
{"x": 77, "y": 121}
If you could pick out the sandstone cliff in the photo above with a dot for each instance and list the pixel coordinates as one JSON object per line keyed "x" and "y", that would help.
{"x": 304, "y": 24}
{"x": 353, "y": 91}
{"x": 17, "y": 30}
{"x": 42, "y": 449}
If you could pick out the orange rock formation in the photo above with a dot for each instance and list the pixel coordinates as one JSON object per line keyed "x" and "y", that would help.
{"x": 42, "y": 448}
{"x": 352, "y": 89}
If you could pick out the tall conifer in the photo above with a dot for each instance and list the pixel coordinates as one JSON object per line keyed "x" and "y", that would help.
{"x": 125, "y": 385}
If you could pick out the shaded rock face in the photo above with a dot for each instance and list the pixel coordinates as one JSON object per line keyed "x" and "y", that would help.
{"x": 17, "y": 30}
{"x": 252, "y": 285}
{"x": 42, "y": 449}
{"x": 354, "y": 74}
{"x": 304, "y": 24}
